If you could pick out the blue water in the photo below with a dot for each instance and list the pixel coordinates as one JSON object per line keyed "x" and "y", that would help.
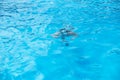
{"x": 28, "y": 52}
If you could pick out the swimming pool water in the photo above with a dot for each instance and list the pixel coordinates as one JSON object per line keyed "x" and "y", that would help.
{"x": 28, "y": 52}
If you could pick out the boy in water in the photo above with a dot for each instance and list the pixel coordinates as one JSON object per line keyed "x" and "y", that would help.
{"x": 65, "y": 32}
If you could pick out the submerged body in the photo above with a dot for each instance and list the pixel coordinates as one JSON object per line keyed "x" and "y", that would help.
{"x": 64, "y": 33}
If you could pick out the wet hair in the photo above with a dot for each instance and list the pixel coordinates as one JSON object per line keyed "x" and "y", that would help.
{"x": 67, "y": 31}
{"x": 63, "y": 29}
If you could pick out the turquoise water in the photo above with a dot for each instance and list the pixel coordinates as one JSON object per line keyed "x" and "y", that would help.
{"x": 28, "y": 52}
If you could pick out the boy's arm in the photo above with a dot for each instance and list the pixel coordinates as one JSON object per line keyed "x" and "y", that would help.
{"x": 55, "y": 35}
{"x": 74, "y": 35}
